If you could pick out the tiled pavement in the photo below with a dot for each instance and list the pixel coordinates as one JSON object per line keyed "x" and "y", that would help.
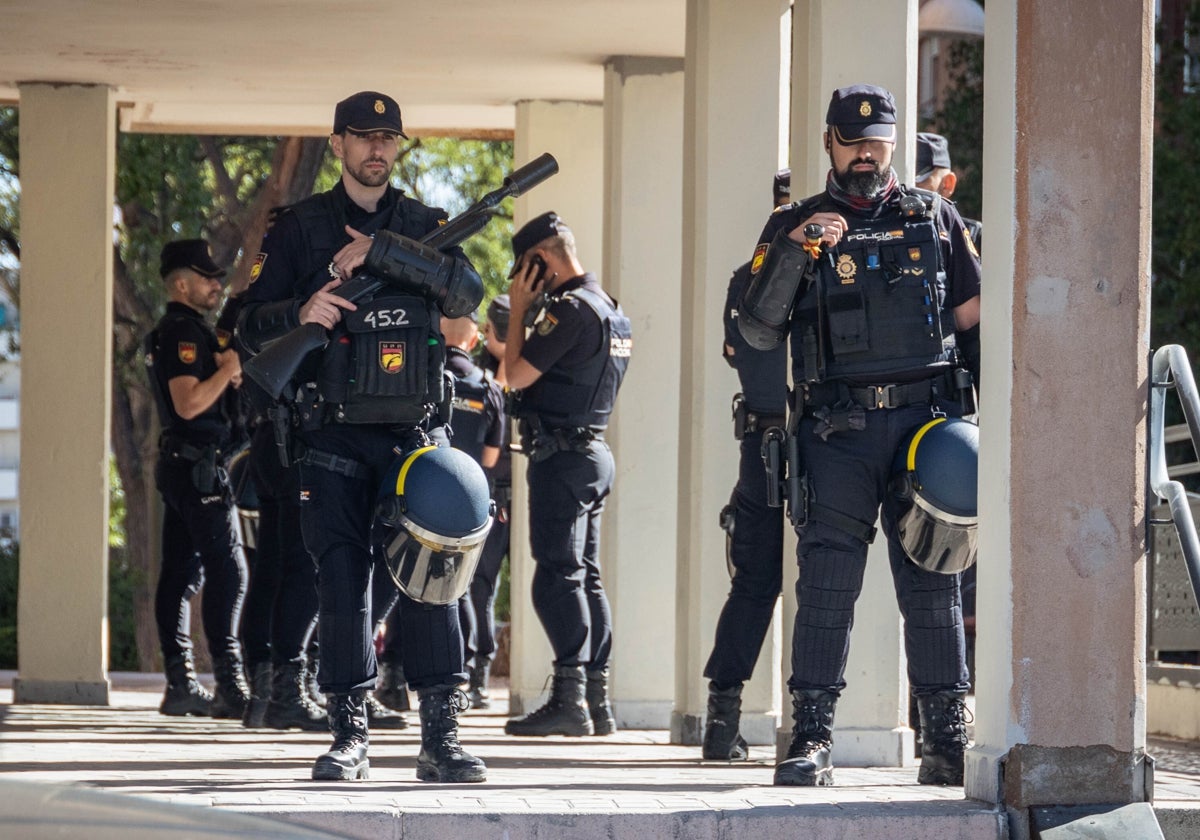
{"x": 633, "y": 785}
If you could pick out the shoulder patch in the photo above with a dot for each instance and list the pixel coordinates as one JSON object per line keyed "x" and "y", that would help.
{"x": 257, "y": 268}
{"x": 547, "y": 325}
{"x": 966, "y": 235}
{"x": 760, "y": 254}
{"x": 187, "y": 352}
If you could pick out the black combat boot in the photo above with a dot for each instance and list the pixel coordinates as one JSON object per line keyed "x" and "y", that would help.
{"x": 289, "y": 705}
{"x": 392, "y": 689}
{"x": 184, "y": 695}
{"x": 442, "y": 758}
{"x": 232, "y": 693}
{"x": 599, "y": 708}
{"x": 565, "y": 713}
{"x": 943, "y": 737}
{"x": 381, "y": 717}
{"x": 260, "y": 695}
{"x": 477, "y": 687}
{"x": 346, "y": 760}
{"x": 312, "y": 690}
{"x": 808, "y": 761}
{"x": 722, "y": 740}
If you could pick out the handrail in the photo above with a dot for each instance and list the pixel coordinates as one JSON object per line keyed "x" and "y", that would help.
{"x": 1171, "y": 361}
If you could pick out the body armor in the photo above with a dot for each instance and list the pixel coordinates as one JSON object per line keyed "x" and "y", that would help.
{"x": 878, "y": 306}
{"x": 469, "y": 420}
{"x": 583, "y": 395}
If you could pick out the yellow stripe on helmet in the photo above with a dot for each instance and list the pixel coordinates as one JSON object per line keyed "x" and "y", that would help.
{"x": 911, "y": 461}
{"x": 408, "y": 462}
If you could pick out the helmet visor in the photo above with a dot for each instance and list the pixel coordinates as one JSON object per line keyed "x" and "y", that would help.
{"x": 429, "y": 568}
{"x": 938, "y": 541}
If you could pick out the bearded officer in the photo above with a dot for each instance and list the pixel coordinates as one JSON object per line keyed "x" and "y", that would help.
{"x": 568, "y": 370}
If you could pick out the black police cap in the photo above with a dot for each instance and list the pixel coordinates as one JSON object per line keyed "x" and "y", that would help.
{"x": 536, "y": 230}
{"x": 933, "y": 152}
{"x": 188, "y": 253}
{"x": 862, "y": 112}
{"x": 368, "y": 111}
{"x": 782, "y": 184}
{"x": 497, "y": 314}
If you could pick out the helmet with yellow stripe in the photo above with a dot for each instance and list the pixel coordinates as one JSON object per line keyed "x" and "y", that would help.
{"x": 936, "y": 478}
{"x": 433, "y": 516}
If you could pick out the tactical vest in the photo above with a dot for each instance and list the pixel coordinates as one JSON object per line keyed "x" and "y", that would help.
{"x": 762, "y": 374}
{"x": 384, "y": 361}
{"x": 469, "y": 420}
{"x": 584, "y": 394}
{"x": 211, "y": 426}
{"x": 878, "y": 305}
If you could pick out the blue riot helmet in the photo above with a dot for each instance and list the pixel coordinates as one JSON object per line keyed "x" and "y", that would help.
{"x": 433, "y": 516}
{"x": 935, "y": 475}
{"x": 245, "y": 495}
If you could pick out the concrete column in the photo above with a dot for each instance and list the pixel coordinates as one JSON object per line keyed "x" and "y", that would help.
{"x": 1062, "y": 603}
{"x": 573, "y": 132}
{"x": 872, "y": 716}
{"x": 732, "y": 146}
{"x": 643, "y": 165}
{"x": 68, "y": 151}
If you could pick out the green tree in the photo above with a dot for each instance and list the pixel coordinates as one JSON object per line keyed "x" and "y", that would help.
{"x": 960, "y": 120}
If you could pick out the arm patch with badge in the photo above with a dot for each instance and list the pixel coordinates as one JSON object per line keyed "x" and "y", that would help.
{"x": 760, "y": 254}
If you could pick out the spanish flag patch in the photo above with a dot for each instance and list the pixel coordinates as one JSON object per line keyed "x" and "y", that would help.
{"x": 760, "y": 254}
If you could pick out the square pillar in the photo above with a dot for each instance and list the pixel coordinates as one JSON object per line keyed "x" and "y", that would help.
{"x": 573, "y": 132}
{"x": 733, "y": 144}
{"x": 643, "y": 166}
{"x": 1060, "y": 657}
{"x": 68, "y": 154}
{"x": 872, "y": 715}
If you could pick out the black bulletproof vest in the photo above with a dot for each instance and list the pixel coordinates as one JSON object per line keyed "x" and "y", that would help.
{"x": 584, "y": 394}
{"x": 469, "y": 419}
{"x": 878, "y": 306}
{"x": 762, "y": 374}
{"x": 384, "y": 361}
{"x": 211, "y": 426}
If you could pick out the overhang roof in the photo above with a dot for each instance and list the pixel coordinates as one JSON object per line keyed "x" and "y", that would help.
{"x": 277, "y": 66}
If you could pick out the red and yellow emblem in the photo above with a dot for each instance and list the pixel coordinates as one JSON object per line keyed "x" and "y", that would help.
{"x": 391, "y": 356}
{"x": 256, "y": 269}
{"x": 187, "y": 352}
{"x": 760, "y": 254}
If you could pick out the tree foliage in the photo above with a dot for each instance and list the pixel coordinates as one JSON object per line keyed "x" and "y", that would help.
{"x": 960, "y": 120}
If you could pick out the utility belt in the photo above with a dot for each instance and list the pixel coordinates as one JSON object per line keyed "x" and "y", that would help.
{"x": 948, "y": 385}
{"x": 540, "y": 441}
{"x": 208, "y": 462}
{"x": 747, "y": 421}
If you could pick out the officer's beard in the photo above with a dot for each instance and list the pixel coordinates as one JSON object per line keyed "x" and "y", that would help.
{"x": 861, "y": 184}
{"x": 368, "y": 177}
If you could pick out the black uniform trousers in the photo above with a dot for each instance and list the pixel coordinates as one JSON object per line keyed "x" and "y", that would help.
{"x": 566, "y": 498}
{"x": 200, "y": 546}
{"x": 756, "y": 554}
{"x": 281, "y": 603}
{"x": 337, "y": 511}
{"x": 476, "y": 609}
{"x": 849, "y": 473}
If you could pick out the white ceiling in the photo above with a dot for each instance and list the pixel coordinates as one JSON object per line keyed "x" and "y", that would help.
{"x": 278, "y": 66}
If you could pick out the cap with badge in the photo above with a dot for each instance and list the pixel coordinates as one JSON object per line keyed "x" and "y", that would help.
{"x": 497, "y": 315}
{"x": 533, "y": 232}
{"x": 192, "y": 254}
{"x": 933, "y": 152}
{"x": 860, "y": 113}
{"x": 366, "y": 112}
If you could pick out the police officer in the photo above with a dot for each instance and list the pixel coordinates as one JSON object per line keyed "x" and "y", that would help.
{"x": 934, "y": 174}
{"x": 360, "y": 406}
{"x": 477, "y": 422}
{"x": 189, "y": 375}
{"x": 754, "y": 530}
{"x": 568, "y": 370}
{"x": 886, "y": 312}
{"x": 481, "y": 640}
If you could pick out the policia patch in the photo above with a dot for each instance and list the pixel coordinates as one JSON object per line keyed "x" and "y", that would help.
{"x": 760, "y": 254}
{"x": 547, "y": 325}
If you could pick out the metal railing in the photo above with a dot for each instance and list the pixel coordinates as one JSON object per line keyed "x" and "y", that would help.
{"x": 1170, "y": 370}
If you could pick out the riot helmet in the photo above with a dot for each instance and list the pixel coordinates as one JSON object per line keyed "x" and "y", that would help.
{"x": 433, "y": 516}
{"x": 935, "y": 477}
{"x": 245, "y": 495}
